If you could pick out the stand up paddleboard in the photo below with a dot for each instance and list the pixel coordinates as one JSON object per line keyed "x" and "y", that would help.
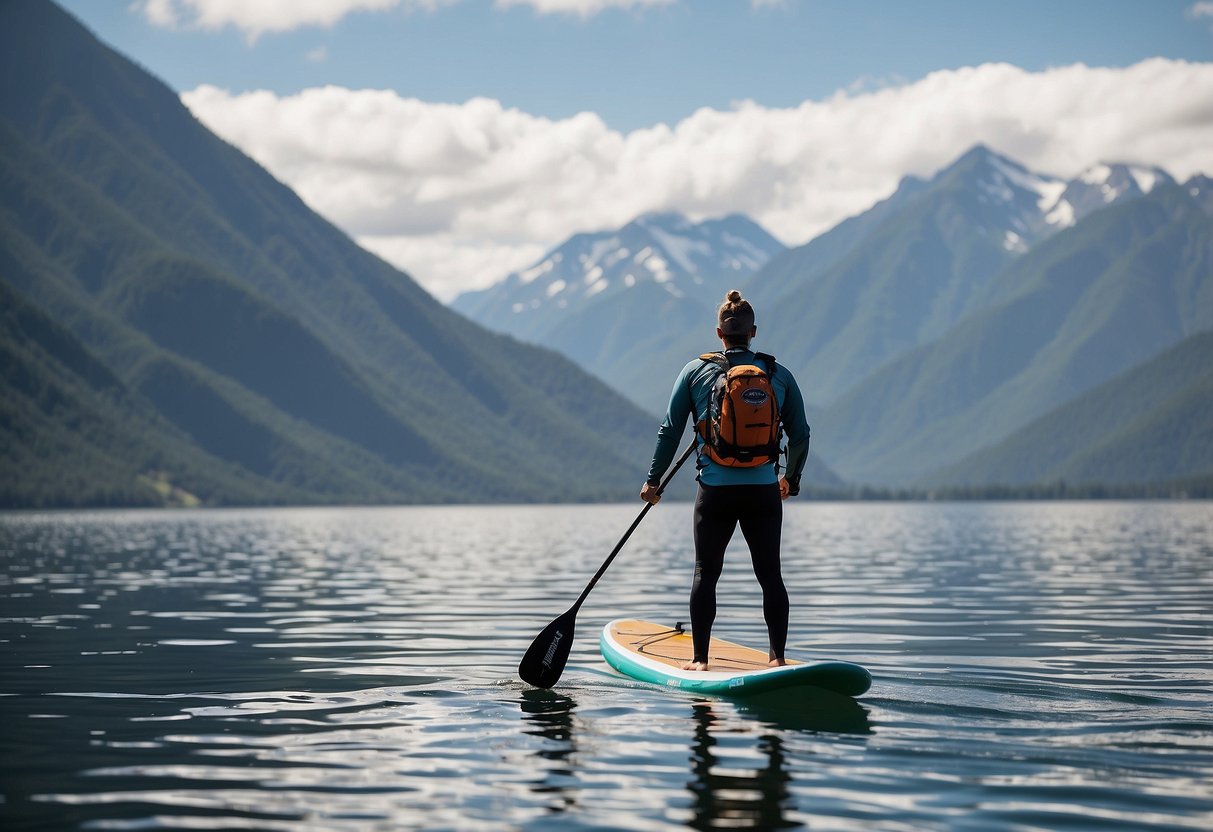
{"x": 656, "y": 653}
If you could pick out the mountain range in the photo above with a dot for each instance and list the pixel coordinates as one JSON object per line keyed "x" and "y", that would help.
{"x": 179, "y": 327}
{"x": 1079, "y": 309}
{"x": 961, "y": 311}
{"x": 921, "y": 264}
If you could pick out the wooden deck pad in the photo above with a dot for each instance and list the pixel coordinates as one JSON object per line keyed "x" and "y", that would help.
{"x": 668, "y": 646}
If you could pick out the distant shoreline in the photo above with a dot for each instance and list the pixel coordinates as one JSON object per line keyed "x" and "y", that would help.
{"x": 1194, "y": 490}
{"x": 1200, "y": 489}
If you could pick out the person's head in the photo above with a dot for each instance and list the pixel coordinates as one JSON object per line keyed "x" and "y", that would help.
{"x": 735, "y": 320}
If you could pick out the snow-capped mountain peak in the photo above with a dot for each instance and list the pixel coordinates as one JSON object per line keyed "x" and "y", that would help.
{"x": 1115, "y": 179}
{"x": 1016, "y": 207}
{"x": 1010, "y": 203}
{"x": 1102, "y": 184}
{"x": 664, "y": 250}
{"x": 1022, "y": 206}
{"x": 1046, "y": 188}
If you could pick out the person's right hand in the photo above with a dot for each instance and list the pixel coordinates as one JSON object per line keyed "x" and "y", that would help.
{"x": 649, "y": 494}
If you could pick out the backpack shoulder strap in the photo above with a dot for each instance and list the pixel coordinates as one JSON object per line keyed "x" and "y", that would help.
{"x": 717, "y": 358}
{"x": 769, "y": 360}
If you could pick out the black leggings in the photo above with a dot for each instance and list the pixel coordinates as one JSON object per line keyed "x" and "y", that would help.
{"x": 718, "y": 511}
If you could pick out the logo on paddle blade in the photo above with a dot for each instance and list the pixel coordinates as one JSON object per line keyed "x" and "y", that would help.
{"x": 551, "y": 654}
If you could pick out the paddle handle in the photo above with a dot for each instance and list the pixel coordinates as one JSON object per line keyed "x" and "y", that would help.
{"x": 619, "y": 546}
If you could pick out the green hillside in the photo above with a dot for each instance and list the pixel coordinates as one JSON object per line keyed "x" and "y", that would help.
{"x": 73, "y": 434}
{"x": 1150, "y": 424}
{"x": 1077, "y": 310}
{"x": 272, "y": 350}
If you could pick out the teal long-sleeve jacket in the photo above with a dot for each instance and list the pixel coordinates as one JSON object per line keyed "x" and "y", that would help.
{"x": 691, "y": 397}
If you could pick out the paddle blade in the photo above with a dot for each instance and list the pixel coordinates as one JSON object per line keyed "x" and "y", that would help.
{"x": 548, "y": 653}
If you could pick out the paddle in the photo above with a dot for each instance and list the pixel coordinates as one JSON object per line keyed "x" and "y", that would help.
{"x": 549, "y": 652}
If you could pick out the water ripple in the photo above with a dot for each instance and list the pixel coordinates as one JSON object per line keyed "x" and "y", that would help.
{"x": 1036, "y": 667}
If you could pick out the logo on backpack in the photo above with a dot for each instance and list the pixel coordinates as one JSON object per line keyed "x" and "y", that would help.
{"x": 754, "y": 397}
{"x": 742, "y": 426}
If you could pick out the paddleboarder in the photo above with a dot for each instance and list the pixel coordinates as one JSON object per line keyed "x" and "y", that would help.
{"x": 739, "y": 478}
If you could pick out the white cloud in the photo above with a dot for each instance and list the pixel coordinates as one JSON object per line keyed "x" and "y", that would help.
{"x": 450, "y": 262}
{"x": 160, "y": 13}
{"x": 257, "y": 17}
{"x": 1202, "y": 10}
{"x": 459, "y": 195}
{"x": 318, "y": 55}
{"x": 581, "y": 8}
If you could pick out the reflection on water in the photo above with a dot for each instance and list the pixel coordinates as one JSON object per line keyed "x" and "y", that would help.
{"x": 736, "y": 754}
{"x": 549, "y": 715}
{"x": 738, "y": 794}
{"x": 808, "y": 709}
{"x": 1035, "y": 666}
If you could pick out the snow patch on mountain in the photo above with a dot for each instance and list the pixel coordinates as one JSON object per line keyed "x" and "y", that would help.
{"x": 1061, "y": 215}
{"x": 1096, "y": 175}
{"x": 1048, "y": 189}
{"x": 748, "y": 255}
{"x": 1146, "y": 179}
{"x": 659, "y": 267}
{"x": 1013, "y": 242}
{"x": 681, "y": 248}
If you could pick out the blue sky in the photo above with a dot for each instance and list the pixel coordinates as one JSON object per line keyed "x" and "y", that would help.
{"x": 462, "y": 139}
{"x": 639, "y": 66}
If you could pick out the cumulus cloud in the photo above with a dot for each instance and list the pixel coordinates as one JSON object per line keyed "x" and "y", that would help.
{"x": 582, "y": 8}
{"x": 162, "y": 13}
{"x": 459, "y": 195}
{"x": 476, "y": 261}
{"x": 258, "y": 18}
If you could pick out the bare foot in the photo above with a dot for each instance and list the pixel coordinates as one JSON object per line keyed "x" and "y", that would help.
{"x": 777, "y": 662}
{"x": 695, "y": 666}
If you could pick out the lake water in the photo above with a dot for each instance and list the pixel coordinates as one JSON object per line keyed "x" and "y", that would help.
{"x": 1036, "y": 666}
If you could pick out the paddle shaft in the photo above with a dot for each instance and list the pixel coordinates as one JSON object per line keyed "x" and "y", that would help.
{"x": 619, "y": 546}
{"x": 545, "y": 659}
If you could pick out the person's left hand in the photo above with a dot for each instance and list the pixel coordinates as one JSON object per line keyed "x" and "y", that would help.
{"x": 783, "y": 488}
{"x": 649, "y": 494}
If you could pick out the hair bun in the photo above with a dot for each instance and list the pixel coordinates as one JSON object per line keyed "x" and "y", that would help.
{"x": 733, "y": 296}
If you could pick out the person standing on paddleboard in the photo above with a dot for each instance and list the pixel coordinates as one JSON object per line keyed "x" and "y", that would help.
{"x": 739, "y": 483}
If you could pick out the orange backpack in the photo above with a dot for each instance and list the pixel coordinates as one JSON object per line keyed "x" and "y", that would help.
{"x": 742, "y": 426}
